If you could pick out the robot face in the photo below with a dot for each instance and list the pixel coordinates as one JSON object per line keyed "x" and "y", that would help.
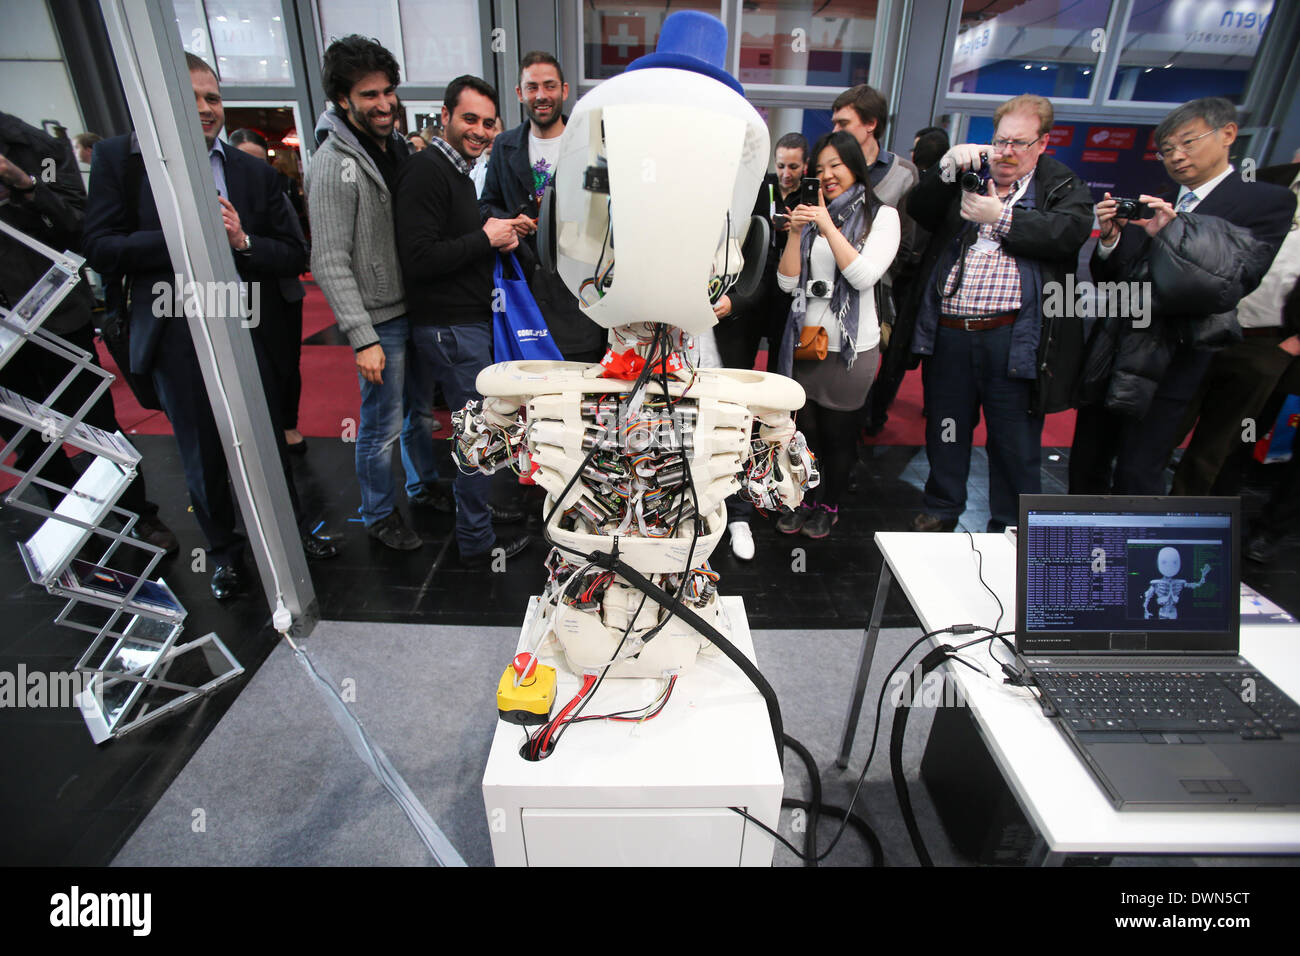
{"x": 1168, "y": 562}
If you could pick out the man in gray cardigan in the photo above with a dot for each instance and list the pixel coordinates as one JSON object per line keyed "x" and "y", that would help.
{"x": 354, "y": 259}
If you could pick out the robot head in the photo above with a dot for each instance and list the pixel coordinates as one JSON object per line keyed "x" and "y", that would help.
{"x": 1168, "y": 562}
{"x": 655, "y": 183}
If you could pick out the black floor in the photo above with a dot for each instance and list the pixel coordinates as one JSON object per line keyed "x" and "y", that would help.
{"x": 67, "y": 801}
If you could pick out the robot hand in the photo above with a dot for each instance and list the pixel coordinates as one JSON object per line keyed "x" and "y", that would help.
{"x": 488, "y": 434}
{"x": 780, "y": 467}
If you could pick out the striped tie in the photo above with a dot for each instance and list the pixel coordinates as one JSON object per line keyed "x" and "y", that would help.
{"x": 1185, "y": 204}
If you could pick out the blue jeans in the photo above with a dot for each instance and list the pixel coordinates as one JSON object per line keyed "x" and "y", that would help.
{"x": 454, "y": 355}
{"x": 967, "y": 372}
{"x": 387, "y": 414}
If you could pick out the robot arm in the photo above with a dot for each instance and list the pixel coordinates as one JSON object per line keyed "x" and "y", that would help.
{"x": 780, "y": 467}
{"x": 489, "y": 434}
{"x": 1146, "y": 600}
{"x": 1205, "y": 572}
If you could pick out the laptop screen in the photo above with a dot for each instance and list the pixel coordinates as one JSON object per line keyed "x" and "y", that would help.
{"x": 1128, "y": 575}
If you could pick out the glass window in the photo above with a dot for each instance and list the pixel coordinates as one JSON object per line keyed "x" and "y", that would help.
{"x": 248, "y": 38}
{"x": 1179, "y": 50}
{"x": 616, "y": 32}
{"x": 376, "y": 19}
{"x": 807, "y": 42}
{"x": 1048, "y": 47}
{"x": 192, "y": 23}
{"x": 441, "y": 40}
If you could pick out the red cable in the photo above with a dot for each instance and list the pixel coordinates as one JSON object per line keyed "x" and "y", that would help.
{"x": 587, "y": 683}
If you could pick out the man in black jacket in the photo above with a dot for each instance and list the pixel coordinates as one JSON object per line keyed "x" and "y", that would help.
{"x": 522, "y": 165}
{"x": 49, "y": 208}
{"x": 124, "y": 237}
{"x": 1225, "y": 233}
{"x": 447, "y": 253}
{"x": 1241, "y": 377}
{"x": 981, "y": 324}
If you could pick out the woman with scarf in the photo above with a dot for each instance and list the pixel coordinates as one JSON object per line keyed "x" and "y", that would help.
{"x": 837, "y": 251}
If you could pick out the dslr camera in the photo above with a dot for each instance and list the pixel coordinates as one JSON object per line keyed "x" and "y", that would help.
{"x": 1132, "y": 209}
{"x": 974, "y": 181}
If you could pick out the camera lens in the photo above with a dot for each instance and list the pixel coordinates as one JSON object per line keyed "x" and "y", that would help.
{"x": 971, "y": 182}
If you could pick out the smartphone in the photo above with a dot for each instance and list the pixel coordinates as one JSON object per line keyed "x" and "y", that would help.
{"x": 780, "y": 220}
{"x": 809, "y": 190}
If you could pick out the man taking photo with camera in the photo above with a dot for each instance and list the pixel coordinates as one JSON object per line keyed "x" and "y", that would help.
{"x": 998, "y": 236}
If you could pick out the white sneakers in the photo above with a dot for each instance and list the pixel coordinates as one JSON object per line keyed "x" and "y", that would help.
{"x": 742, "y": 540}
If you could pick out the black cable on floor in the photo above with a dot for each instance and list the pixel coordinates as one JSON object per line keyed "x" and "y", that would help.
{"x": 868, "y": 835}
{"x": 815, "y": 797}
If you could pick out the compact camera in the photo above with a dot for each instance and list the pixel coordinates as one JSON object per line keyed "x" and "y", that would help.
{"x": 974, "y": 181}
{"x": 817, "y": 289}
{"x": 1132, "y": 209}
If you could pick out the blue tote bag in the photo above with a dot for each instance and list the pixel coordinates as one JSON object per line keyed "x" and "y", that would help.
{"x": 519, "y": 331}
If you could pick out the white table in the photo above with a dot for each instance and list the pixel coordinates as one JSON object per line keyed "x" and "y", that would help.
{"x": 1057, "y": 794}
{"x": 649, "y": 794}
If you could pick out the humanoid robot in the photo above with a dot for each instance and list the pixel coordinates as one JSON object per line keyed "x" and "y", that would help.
{"x": 638, "y": 453}
{"x": 1167, "y": 589}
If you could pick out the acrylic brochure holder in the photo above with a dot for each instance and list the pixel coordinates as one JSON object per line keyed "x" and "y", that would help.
{"x": 134, "y": 669}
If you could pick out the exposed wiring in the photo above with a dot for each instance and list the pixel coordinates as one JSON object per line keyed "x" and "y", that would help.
{"x": 980, "y": 572}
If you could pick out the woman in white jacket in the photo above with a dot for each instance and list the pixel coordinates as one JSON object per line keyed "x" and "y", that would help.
{"x": 837, "y": 251}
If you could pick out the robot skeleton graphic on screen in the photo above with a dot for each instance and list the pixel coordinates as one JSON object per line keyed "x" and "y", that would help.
{"x": 1167, "y": 589}
{"x": 657, "y": 174}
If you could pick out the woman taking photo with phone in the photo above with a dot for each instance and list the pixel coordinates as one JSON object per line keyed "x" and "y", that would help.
{"x": 837, "y": 251}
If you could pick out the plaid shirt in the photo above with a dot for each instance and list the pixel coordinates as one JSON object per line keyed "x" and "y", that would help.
{"x": 456, "y": 158}
{"x": 991, "y": 281}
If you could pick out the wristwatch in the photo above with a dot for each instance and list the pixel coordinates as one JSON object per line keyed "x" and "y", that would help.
{"x": 246, "y": 245}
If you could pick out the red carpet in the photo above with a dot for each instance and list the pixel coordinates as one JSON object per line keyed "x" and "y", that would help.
{"x": 906, "y": 426}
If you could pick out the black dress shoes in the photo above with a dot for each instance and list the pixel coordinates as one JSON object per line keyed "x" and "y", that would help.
{"x": 150, "y": 529}
{"x": 1261, "y": 548}
{"x": 228, "y": 581}
{"x": 319, "y": 549}
{"x": 504, "y": 548}
{"x": 505, "y": 514}
{"x": 929, "y": 522}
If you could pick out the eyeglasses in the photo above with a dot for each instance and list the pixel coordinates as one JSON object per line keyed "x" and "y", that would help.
{"x": 1015, "y": 145}
{"x": 1185, "y": 147}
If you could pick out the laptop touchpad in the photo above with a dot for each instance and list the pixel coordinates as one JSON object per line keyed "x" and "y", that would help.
{"x": 1192, "y": 762}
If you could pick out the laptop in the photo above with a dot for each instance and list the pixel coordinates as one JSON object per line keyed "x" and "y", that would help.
{"x": 1128, "y": 620}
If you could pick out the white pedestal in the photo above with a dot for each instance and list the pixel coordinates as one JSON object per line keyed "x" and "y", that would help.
{"x": 646, "y": 794}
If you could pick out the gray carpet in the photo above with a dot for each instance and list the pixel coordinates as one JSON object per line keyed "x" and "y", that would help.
{"x": 277, "y": 784}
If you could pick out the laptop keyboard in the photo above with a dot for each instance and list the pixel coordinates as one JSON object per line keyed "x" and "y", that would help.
{"x": 1240, "y": 702}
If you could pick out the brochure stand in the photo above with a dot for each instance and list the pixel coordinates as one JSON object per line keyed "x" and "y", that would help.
{"x": 136, "y": 621}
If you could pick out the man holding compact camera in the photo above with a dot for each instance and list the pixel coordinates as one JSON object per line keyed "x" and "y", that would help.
{"x": 1196, "y": 254}
{"x": 1006, "y": 222}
